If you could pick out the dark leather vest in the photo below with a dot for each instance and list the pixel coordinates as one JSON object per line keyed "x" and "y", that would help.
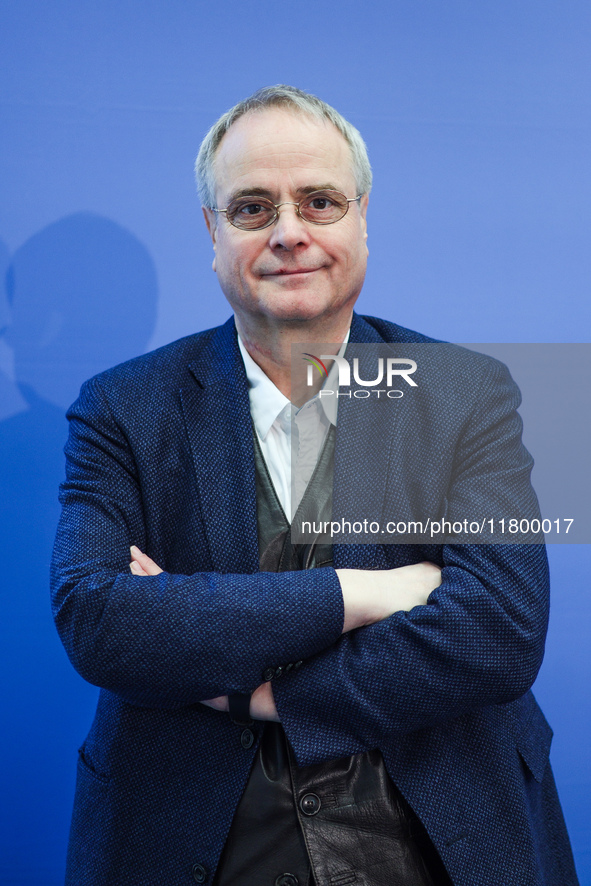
{"x": 337, "y": 823}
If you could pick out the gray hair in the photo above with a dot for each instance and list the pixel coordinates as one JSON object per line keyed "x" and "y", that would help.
{"x": 287, "y": 97}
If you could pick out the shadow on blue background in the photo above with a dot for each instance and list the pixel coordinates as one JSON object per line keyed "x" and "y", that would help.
{"x": 82, "y": 296}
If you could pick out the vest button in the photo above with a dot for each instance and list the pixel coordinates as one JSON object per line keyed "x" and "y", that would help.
{"x": 287, "y": 880}
{"x": 199, "y": 873}
{"x": 310, "y": 804}
{"x": 247, "y": 739}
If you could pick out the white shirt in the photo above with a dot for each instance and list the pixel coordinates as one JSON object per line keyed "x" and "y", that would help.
{"x": 282, "y": 427}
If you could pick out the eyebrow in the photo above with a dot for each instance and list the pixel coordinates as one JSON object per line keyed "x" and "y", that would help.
{"x": 263, "y": 192}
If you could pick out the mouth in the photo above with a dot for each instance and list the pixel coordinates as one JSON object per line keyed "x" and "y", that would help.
{"x": 290, "y": 272}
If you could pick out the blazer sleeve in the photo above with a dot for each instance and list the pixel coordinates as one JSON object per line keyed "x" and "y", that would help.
{"x": 172, "y": 639}
{"x": 478, "y": 641}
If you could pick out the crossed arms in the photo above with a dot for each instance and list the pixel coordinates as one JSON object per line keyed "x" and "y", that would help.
{"x": 368, "y": 597}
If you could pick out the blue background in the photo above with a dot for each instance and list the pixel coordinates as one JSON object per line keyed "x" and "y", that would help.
{"x": 476, "y": 116}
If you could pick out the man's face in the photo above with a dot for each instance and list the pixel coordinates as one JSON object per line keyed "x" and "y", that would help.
{"x": 293, "y": 270}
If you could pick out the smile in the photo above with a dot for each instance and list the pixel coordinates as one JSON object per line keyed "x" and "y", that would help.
{"x": 287, "y": 273}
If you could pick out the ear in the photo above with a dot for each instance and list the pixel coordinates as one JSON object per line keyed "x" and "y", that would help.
{"x": 363, "y": 210}
{"x": 211, "y": 222}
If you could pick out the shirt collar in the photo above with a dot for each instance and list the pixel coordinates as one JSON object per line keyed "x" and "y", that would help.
{"x": 266, "y": 400}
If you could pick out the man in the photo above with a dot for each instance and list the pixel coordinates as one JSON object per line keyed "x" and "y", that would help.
{"x": 261, "y": 722}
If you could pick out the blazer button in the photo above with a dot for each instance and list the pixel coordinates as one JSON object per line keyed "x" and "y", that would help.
{"x": 287, "y": 880}
{"x": 268, "y": 674}
{"x": 297, "y": 665}
{"x": 247, "y": 739}
{"x": 199, "y": 873}
{"x": 279, "y": 671}
{"x": 310, "y": 804}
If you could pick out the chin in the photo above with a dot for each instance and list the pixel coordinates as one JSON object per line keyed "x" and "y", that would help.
{"x": 302, "y": 306}
{"x": 299, "y": 314}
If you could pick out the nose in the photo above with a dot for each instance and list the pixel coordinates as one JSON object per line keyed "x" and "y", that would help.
{"x": 289, "y": 231}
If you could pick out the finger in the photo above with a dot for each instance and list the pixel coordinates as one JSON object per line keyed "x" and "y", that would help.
{"x": 136, "y": 568}
{"x": 262, "y": 703}
{"x": 146, "y": 563}
{"x": 218, "y": 704}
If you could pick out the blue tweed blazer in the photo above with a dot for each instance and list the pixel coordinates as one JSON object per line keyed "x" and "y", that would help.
{"x": 160, "y": 454}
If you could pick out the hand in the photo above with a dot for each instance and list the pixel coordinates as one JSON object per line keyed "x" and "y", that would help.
{"x": 372, "y": 595}
{"x": 262, "y": 704}
{"x": 218, "y": 704}
{"x": 141, "y": 564}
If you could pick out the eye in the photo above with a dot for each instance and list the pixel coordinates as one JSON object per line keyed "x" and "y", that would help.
{"x": 320, "y": 202}
{"x": 251, "y": 208}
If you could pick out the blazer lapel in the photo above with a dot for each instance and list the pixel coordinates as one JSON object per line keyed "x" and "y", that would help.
{"x": 216, "y": 411}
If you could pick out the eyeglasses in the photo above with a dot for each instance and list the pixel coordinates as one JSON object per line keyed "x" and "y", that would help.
{"x": 318, "y": 208}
